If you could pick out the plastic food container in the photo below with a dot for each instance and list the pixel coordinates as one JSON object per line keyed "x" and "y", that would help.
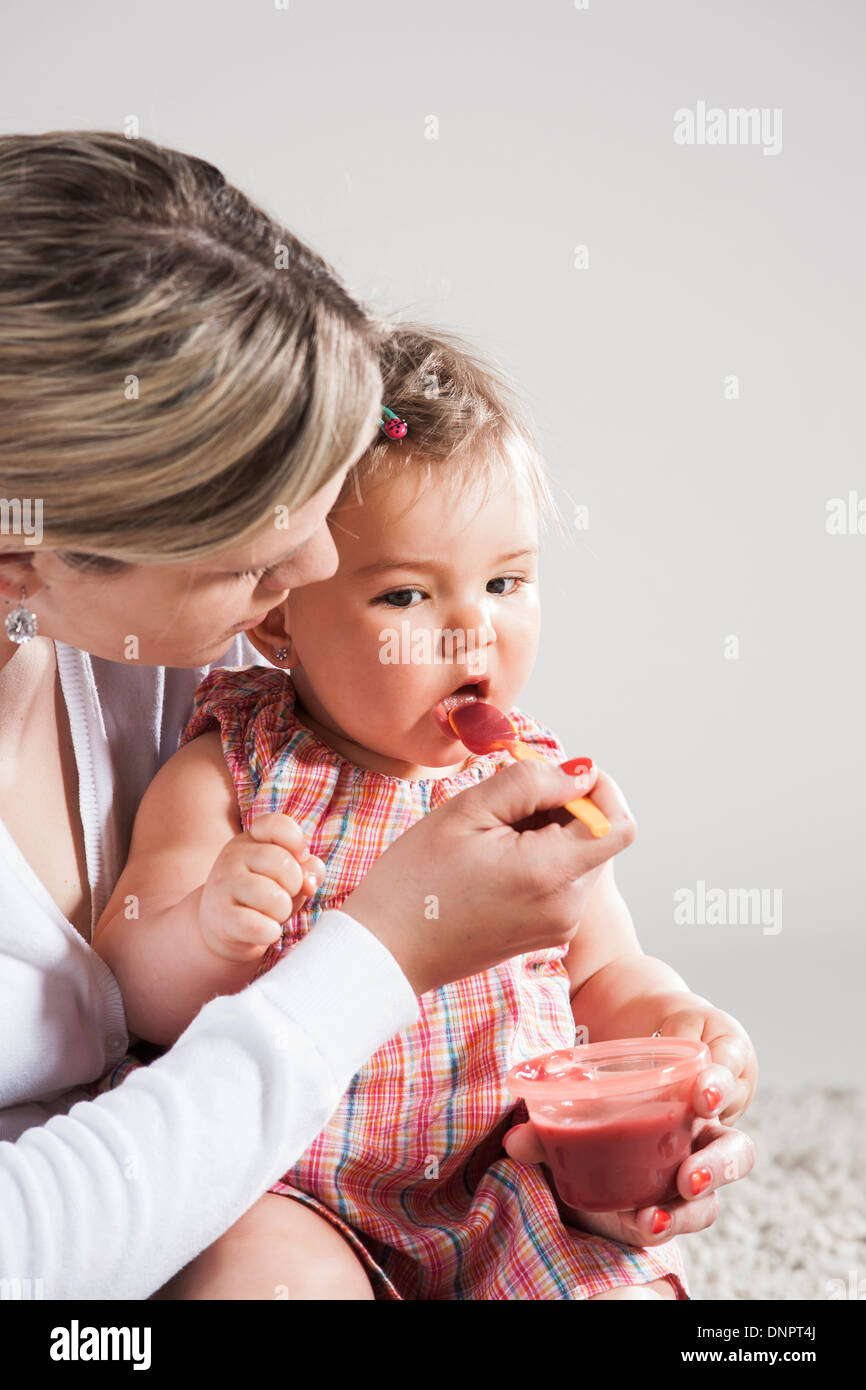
{"x": 615, "y": 1118}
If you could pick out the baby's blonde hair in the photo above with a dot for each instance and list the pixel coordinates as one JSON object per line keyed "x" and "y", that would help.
{"x": 462, "y": 412}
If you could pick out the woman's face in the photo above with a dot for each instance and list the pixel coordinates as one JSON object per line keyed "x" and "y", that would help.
{"x": 182, "y": 614}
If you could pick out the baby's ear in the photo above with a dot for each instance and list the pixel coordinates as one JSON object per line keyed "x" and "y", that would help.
{"x": 272, "y": 640}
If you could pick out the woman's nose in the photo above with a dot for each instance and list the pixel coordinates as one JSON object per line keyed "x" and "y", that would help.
{"x": 317, "y": 560}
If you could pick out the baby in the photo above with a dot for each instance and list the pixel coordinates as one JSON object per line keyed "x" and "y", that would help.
{"x": 436, "y": 593}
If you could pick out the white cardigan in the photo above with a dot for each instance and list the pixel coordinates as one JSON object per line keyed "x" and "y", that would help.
{"x": 109, "y": 1198}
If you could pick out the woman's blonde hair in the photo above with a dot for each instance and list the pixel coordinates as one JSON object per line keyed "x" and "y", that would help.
{"x": 462, "y": 411}
{"x": 174, "y": 363}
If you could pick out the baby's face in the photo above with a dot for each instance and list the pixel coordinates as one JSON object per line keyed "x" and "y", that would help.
{"x": 372, "y": 658}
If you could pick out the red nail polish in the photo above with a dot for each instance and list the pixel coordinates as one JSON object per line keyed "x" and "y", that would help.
{"x": 575, "y": 766}
{"x": 713, "y": 1097}
{"x": 700, "y": 1178}
{"x": 661, "y": 1221}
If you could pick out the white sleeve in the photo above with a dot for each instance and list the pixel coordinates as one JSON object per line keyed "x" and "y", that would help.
{"x": 114, "y": 1198}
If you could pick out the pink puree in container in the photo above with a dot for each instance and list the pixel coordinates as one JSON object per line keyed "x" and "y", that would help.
{"x": 615, "y": 1118}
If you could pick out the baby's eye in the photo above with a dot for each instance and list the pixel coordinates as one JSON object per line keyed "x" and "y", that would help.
{"x": 395, "y": 598}
{"x": 511, "y": 579}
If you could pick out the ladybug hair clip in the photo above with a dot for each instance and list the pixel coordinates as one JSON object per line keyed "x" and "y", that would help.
{"x": 391, "y": 424}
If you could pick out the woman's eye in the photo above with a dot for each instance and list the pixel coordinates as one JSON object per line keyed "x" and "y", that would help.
{"x": 395, "y": 599}
{"x": 251, "y": 574}
{"x": 505, "y": 579}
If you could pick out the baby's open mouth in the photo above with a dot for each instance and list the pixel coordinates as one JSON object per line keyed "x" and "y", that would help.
{"x": 464, "y": 694}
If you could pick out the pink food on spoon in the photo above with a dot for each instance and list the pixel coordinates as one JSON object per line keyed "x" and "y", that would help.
{"x": 483, "y": 728}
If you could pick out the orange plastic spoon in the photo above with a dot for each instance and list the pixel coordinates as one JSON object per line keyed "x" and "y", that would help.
{"x": 483, "y": 728}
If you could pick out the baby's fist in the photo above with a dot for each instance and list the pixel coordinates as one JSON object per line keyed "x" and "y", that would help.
{"x": 260, "y": 878}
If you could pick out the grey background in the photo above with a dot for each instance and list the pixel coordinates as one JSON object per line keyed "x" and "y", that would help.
{"x": 706, "y": 515}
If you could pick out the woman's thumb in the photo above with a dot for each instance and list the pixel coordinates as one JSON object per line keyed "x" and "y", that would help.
{"x": 522, "y": 1144}
{"x": 518, "y": 792}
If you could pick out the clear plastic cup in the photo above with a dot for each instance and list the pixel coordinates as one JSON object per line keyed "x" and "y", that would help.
{"x": 615, "y": 1118}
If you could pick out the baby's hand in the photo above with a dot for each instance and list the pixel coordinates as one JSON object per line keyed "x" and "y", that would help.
{"x": 259, "y": 880}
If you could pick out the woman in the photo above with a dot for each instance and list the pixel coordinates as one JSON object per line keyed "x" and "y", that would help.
{"x": 183, "y": 386}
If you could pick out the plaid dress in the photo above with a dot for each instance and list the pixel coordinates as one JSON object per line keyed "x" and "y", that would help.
{"x": 410, "y": 1168}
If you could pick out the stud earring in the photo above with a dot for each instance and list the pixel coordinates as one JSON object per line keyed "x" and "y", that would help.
{"x": 282, "y": 653}
{"x": 21, "y": 622}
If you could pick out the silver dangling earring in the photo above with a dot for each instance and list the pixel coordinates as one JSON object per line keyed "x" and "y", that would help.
{"x": 21, "y": 622}
{"x": 282, "y": 653}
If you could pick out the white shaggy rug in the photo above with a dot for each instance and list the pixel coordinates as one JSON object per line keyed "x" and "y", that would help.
{"x": 796, "y": 1226}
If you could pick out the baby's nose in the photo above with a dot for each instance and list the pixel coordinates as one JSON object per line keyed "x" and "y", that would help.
{"x": 466, "y": 647}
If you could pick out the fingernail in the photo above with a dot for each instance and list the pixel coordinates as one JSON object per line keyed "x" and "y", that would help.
{"x": 509, "y": 1133}
{"x": 713, "y": 1097}
{"x": 700, "y": 1178}
{"x": 577, "y": 767}
{"x": 661, "y": 1221}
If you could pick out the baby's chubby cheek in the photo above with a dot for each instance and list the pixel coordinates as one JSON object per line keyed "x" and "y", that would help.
{"x": 388, "y": 709}
{"x": 366, "y": 698}
{"x": 399, "y": 703}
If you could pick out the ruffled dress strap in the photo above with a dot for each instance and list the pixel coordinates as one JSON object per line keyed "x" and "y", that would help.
{"x": 253, "y": 709}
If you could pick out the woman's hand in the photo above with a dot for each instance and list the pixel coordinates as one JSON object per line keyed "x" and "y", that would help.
{"x": 496, "y": 871}
{"x": 720, "y": 1154}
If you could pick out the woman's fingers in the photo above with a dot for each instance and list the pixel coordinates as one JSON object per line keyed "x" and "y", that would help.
{"x": 721, "y": 1094}
{"x": 648, "y": 1225}
{"x": 523, "y": 1145}
{"x": 609, "y": 1224}
{"x": 725, "y": 1153}
{"x": 609, "y": 799}
{"x": 720, "y": 1154}
{"x": 585, "y": 774}
{"x": 526, "y": 790}
{"x": 731, "y": 1050}
{"x": 496, "y": 892}
{"x": 583, "y": 768}
{"x": 734, "y": 1051}
{"x": 714, "y": 1090}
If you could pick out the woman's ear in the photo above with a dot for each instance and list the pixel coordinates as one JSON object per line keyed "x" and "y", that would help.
{"x": 272, "y": 639}
{"x": 18, "y": 572}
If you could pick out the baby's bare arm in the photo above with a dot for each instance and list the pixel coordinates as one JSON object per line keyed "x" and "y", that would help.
{"x": 149, "y": 933}
{"x": 613, "y": 984}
